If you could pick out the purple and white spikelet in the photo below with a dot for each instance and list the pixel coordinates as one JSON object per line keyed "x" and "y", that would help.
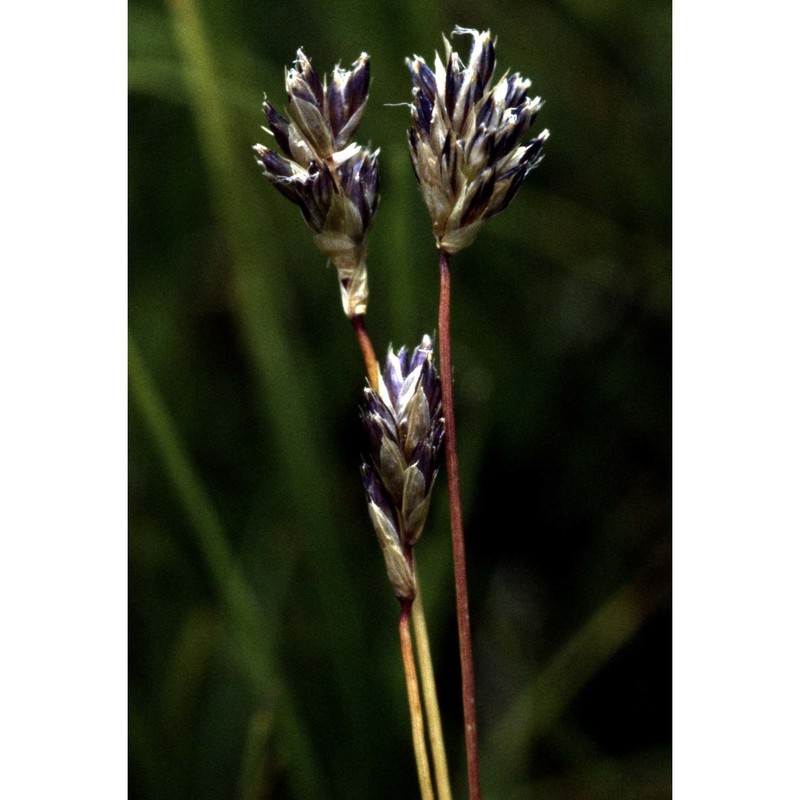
{"x": 332, "y": 180}
{"x": 466, "y": 138}
{"x": 405, "y": 427}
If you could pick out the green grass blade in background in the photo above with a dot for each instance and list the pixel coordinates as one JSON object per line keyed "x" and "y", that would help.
{"x": 546, "y": 698}
{"x": 257, "y": 646}
{"x": 279, "y": 366}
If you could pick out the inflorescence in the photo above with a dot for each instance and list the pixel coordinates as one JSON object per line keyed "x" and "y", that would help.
{"x": 405, "y": 427}
{"x": 333, "y": 181}
{"x": 467, "y": 150}
{"x": 466, "y": 137}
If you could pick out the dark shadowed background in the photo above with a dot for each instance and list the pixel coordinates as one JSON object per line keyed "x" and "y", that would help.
{"x": 263, "y": 658}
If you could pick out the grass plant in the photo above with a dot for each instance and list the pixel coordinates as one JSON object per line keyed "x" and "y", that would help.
{"x": 262, "y": 632}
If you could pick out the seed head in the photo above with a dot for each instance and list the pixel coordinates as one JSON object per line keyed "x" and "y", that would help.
{"x": 466, "y": 137}
{"x": 333, "y": 181}
{"x": 405, "y": 427}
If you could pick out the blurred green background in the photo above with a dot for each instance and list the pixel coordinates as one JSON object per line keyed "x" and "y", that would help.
{"x": 263, "y": 654}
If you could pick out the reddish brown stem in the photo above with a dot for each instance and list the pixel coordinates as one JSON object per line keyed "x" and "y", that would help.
{"x": 370, "y": 362}
{"x": 457, "y": 528}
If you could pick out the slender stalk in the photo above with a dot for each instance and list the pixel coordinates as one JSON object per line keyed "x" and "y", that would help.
{"x": 457, "y": 528}
{"x": 370, "y": 362}
{"x": 414, "y": 704}
{"x": 434, "y": 720}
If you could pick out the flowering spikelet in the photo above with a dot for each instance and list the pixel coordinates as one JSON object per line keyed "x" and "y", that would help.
{"x": 334, "y": 182}
{"x": 466, "y": 138}
{"x": 405, "y": 427}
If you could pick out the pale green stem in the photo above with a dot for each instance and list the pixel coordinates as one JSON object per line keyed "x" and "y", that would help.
{"x": 415, "y": 705}
{"x": 430, "y": 698}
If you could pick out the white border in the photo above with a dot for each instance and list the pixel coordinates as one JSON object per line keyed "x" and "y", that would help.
{"x": 63, "y": 310}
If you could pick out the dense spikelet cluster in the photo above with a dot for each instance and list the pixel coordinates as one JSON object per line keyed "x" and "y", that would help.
{"x": 466, "y": 138}
{"x": 405, "y": 427}
{"x": 333, "y": 181}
